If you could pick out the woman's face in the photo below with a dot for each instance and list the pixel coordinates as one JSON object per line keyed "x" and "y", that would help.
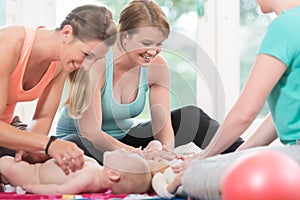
{"x": 144, "y": 45}
{"x": 76, "y": 52}
{"x": 97, "y": 53}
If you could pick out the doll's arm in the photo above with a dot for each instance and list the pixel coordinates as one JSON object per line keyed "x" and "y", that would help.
{"x": 174, "y": 185}
{"x": 166, "y": 184}
{"x": 160, "y": 185}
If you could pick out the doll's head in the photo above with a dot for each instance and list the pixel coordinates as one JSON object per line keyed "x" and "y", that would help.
{"x": 128, "y": 172}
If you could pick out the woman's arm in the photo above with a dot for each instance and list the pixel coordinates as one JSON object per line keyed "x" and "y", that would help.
{"x": 263, "y": 136}
{"x": 90, "y": 123}
{"x": 11, "y": 40}
{"x": 160, "y": 186}
{"x": 254, "y": 95}
{"x": 174, "y": 185}
{"x": 159, "y": 82}
{"x": 45, "y": 111}
{"x": 48, "y": 103}
{"x": 166, "y": 183}
{"x": 28, "y": 141}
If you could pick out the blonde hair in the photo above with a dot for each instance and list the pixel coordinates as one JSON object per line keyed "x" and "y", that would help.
{"x": 147, "y": 13}
{"x": 80, "y": 92}
{"x": 89, "y": 22}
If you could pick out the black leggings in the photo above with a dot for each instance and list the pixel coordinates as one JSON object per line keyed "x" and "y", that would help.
{"x": 190, "y": 124}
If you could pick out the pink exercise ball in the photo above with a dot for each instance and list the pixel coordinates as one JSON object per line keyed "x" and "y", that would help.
{"x": 265, "y": 175}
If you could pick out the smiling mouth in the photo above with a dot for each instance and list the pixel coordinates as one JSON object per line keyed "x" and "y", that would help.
{"x": 147, "y": 58}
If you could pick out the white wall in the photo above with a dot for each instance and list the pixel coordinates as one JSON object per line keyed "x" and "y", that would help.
{"x": 218, "y": 36}
{"x": 64, "y": 7}
{"x": 31, "y": 12}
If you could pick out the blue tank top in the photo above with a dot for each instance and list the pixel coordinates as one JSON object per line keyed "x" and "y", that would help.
{"x": 117, "y": 119}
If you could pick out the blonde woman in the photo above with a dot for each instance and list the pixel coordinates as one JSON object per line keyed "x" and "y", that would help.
{"x": 132, "y": 67}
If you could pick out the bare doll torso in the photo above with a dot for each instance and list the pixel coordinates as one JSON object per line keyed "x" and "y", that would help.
{"x": 22, "y": 173}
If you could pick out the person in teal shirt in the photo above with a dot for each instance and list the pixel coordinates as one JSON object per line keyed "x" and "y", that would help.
{"x": 275, "y": 78}
{"x": 121, "y": 81}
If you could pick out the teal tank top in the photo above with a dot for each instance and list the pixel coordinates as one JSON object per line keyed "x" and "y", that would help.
{"x": 282, "y": 41}
{"x": 66, "y": 125}
{"x": 117, "y": 119}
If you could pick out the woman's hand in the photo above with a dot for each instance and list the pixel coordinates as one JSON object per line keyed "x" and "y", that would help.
{"x": 159, "y": 155}
{"x": 33, "y": 157}
{"x": 156, "y": 151}
{"x": 173, "y": 186}
{"x": 67, "y": 155}
{"x": 181, "y": 166}
{"x": 153, "y": 145}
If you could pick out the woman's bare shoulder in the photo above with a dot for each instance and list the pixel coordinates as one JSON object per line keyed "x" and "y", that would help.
{"x": 11, "y": 43}
{"x": 12, "y": 35}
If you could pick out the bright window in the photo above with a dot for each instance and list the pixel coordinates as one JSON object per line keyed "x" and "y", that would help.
{"x": 2, "y": 12}
{"x": 214, "y": 25}
{"x": 252, "y": 27}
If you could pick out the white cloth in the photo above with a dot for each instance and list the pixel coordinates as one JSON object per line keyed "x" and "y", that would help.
{"x": 161, "y": 181}
{"x": 187, "y": 149}
{"x": 17, "y": 189}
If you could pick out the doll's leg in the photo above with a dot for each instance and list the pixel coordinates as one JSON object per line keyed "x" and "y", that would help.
{"x": 16, "y": 173}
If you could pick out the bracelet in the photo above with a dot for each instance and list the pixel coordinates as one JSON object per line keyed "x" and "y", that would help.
{"x": 52, "y": 138}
